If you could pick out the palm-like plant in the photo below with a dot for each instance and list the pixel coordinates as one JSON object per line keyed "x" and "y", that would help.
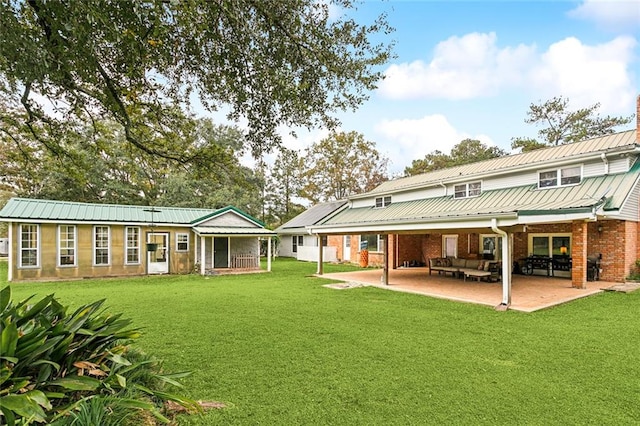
{"x": 53, "y": 363}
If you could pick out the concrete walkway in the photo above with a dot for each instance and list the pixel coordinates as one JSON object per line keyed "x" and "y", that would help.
{"x": 528, "y": 293}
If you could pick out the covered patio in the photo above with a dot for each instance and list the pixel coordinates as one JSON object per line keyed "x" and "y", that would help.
{"x": 528, "y": 293}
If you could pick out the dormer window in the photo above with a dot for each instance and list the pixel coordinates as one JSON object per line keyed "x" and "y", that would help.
{"x": 466, "y": 190}
{"x": 560, "y": 177}
{"x": 383, "y": 201}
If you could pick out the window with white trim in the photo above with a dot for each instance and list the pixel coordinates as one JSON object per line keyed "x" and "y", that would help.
{"x": 182, "y": 242}
{"x": 29, "y": 246}
{"x": 371, "y": 242}
{"x": 560, "y": 177}
{"x": 383, "y": 201}
{"x": 297, "y": 241}
{"x": 101, "y": 244}
{"x": 132, "y": 238}
{"x": 67, "y": 245}
{"x": 466, "y": 190}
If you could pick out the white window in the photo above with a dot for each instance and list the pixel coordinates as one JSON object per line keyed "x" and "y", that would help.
{"x": 560, "y": 177}
{"x": 383, "y": 201}
{"x": 101, "y": 244}
{"x": 297, "y": 241}
{"x": 29, "y": 246}
{"x": 67, "y": 245}
{"x": 370, "y": 242}
{"x": 182, "y": 242}
{"x": 466, "y": 190}
{"x": 132, "y": 238}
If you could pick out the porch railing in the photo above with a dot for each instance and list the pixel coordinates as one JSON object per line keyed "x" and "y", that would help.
{"x": 245, "y": 261}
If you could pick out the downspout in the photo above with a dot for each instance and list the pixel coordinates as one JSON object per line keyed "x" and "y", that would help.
{"x": 605, "y": 160}
{"x": 506, "y": 266}
{"x": 444, "y": 186}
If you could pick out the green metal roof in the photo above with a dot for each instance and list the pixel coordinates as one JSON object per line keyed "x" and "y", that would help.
{"x": 50, "y": 210}
{"x": 603, "y": 144}
{"x": 609, "y": 191}
{"x": 226, "y": 209}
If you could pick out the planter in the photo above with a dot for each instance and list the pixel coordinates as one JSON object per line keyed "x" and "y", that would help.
{"x": 364, "y": 258}
{"x": 152, "y": 246}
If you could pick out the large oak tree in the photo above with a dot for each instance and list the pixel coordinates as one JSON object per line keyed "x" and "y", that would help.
{"x": 271, "y": 63}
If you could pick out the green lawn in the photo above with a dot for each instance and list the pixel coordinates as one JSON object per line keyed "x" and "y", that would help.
{"x": 280, "y": 349}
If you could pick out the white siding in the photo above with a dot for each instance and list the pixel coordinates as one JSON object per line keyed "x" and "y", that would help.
{"x": 620, "y": 165}
{"x": 248, "y": 245}
{"x": 310, "y": 254}
{"x": 629, "y": 210}
{"x": 285, "y": 247}
{"x": 510, "y": 181}
{"x": 228, "y": 219}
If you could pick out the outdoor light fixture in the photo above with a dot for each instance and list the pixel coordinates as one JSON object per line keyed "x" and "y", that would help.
{"x": 599, "y": 228}
{"x": 152, "y": 246}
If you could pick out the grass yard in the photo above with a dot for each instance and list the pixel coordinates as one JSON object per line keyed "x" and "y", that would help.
{"x": 280, "y": 349}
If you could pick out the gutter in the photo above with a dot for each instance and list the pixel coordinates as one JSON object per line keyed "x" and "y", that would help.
{"x": 506, "y": 267}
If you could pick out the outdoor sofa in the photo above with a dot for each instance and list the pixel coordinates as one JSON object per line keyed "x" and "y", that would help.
{"x": 476, "y": 268}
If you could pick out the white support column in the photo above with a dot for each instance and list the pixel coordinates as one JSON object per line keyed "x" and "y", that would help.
{"x": 385, "y": 257}
{"x": 268, "y": 254}
{"x": 202, "y": 256}
{"x": 506, "y": 265}
{"x": 506, "y": 271}
{"x": 11, "y": 258}
{"x": 320, "y": 255}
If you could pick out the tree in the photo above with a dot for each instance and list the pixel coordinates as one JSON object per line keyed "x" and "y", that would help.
{"x": 283, "y": 186}
{"x": 466, "y": 152}
{"x": 563, "y": 126}
{"x": 285, "y": 62}
{"x": 97, "y": 164}
{"x": 341, "y": 165}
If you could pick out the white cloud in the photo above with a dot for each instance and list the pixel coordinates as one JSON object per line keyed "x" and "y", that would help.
{"x": 411, "y": 139}
{"x": 612, "y": 15}
{"x": 462, "y": 68}
{"x": 588, "y": 74}
{"x": 473, "y": 66}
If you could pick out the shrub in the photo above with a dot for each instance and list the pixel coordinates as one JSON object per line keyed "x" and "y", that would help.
{"x": 58, "y": 368}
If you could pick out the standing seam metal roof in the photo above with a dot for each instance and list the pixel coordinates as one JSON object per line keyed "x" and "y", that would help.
{"x": 540, "y": 156}
{"x": 33, "y": 209}
{"x": 313, "y": 215}
{"x": 611, "y": 190}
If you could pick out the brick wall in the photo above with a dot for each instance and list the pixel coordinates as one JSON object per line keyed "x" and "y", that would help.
{"x": 410, "y": 248}
{"x": 579, "y": 254}
{"x": 337, "y": 241}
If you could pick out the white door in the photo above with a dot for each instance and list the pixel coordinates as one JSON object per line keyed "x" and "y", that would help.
{"x": 450, "y": 246}
{"x": 346, "y": 252}
{"x": 158, "y": 253}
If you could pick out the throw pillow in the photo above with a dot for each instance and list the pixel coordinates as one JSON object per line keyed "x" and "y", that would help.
{"x": 480, "y": 265}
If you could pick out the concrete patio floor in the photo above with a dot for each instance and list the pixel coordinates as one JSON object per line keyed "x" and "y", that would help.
{"x": 528, "y": 293}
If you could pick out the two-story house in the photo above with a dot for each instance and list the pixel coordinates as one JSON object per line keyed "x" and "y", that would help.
{"x": 566, "y": 204}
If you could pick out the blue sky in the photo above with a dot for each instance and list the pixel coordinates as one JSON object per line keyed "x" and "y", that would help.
{"x": 470, "y": 69}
